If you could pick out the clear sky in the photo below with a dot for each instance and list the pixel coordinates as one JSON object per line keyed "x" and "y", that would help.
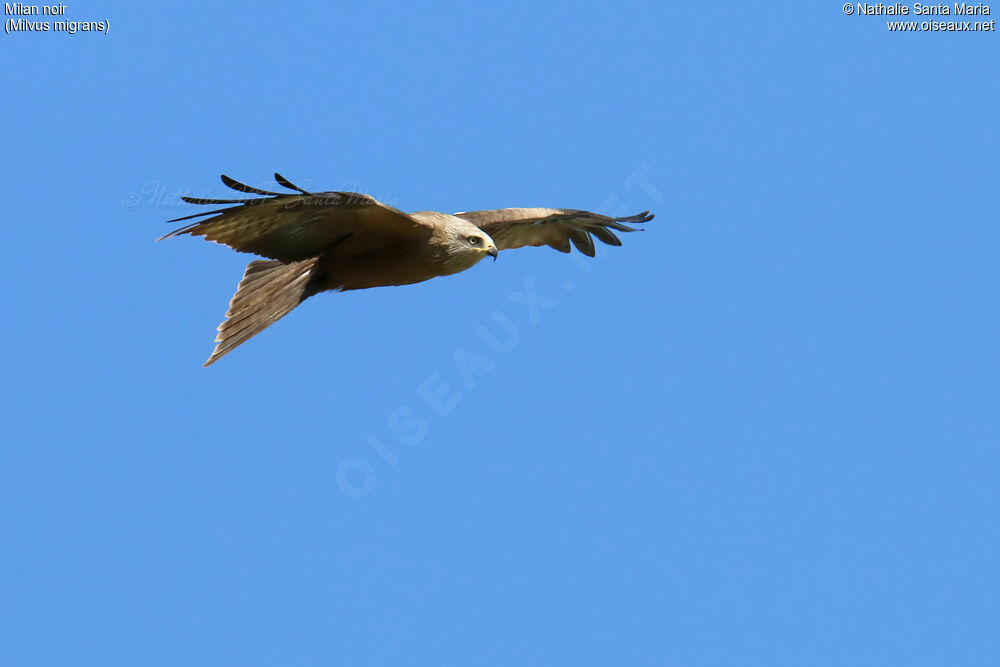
{"x": 763, "y": 432}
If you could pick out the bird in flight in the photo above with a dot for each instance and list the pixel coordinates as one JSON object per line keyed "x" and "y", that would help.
{"x": 339, "y": 241}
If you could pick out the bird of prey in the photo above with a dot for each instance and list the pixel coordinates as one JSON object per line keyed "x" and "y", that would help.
{"x": 322, "y": 241}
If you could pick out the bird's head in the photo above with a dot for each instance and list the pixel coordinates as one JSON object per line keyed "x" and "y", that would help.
{"x": 476, "y": 240}
{"x": 466, "y": 242}
{"x": 459, "y": 243}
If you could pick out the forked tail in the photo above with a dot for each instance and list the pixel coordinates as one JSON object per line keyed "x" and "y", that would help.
{"x": 268, "y": 291}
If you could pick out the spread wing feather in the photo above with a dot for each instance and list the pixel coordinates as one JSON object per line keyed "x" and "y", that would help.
{"x": 293, "y": 227}
{"x": 243, "y": 187}
{"x": 554, "y": 227}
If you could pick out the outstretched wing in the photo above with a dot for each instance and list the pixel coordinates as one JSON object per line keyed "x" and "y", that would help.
{"x": 554, "y": 227}
{"x": 294, "y": 227}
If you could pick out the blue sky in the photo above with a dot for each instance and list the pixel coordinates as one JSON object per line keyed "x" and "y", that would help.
{"x": 763, "y": 432}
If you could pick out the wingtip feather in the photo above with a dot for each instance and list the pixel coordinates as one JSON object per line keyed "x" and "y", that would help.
{"x": 284, "y": 182}
{"x": 243, "y": 187}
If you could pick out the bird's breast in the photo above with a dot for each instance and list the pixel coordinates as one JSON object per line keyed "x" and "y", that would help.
{"x": 403, "y": 264}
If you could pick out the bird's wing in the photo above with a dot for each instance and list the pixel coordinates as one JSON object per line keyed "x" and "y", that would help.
{"x": 293, "y": 227}
{"x": 554, "y": 227}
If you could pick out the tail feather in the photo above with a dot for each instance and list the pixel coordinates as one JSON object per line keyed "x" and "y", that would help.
{"x": 268, "y": 291}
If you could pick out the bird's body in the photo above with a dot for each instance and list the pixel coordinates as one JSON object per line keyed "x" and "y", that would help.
{"x": 349, "y": 266}
{"x": 400, "y": 264}
{"x": 348, "y": 241}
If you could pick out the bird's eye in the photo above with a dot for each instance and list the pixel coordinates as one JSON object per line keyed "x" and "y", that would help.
{"x": 474, "y": 240}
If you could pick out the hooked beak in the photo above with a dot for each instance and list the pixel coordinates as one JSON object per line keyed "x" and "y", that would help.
{"x": 492, "y": 252}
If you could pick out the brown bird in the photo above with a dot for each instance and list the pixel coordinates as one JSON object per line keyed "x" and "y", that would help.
{"x": 323, "y": 241}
